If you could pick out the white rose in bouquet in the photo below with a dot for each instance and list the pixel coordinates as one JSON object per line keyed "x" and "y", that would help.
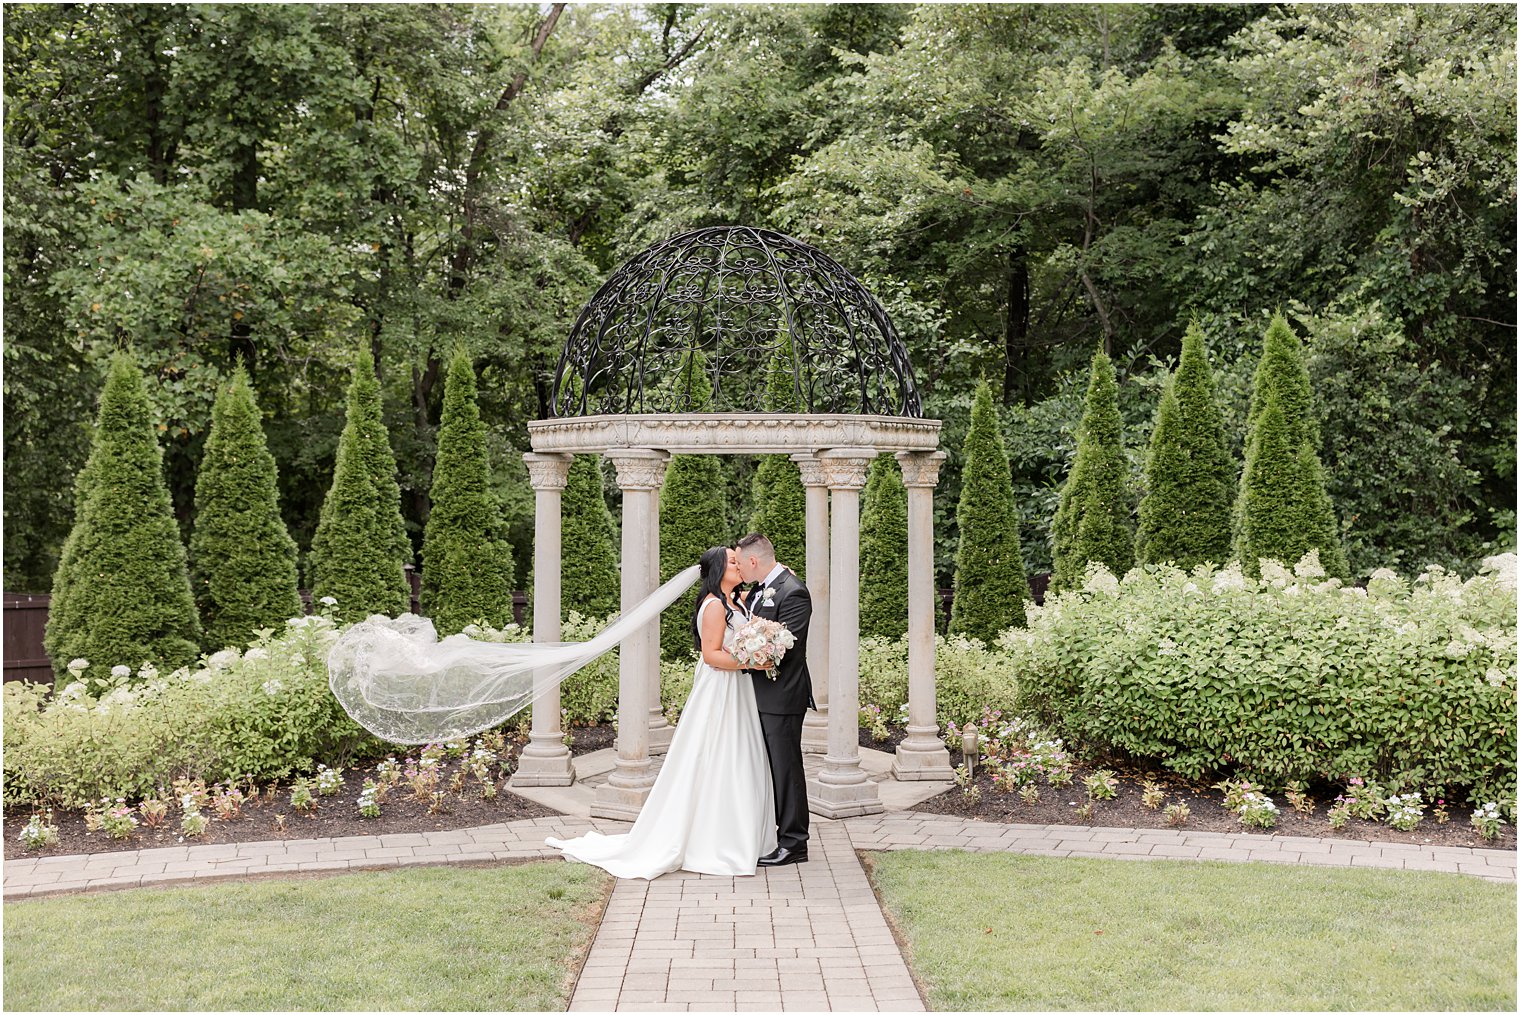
{"x": 762, "y": 641}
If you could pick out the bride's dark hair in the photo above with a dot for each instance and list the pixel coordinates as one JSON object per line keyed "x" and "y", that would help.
{"x": 714, "y": 563}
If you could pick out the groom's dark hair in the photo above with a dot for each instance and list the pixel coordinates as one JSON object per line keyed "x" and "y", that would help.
{"x": 757, "y": 544}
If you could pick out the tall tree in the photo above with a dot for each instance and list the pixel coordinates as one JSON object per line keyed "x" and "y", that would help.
{"x": 467, "y": 566}
{"x": 359, "y": 552}
{"x": 692, "y": 512}
{"x": 591, "y": 583}
{"x": 884, "y": 552}
{"x": 242, "y": 559}
{"x": 991, "y": 587}
{"x": 126, "y": 598}
{"x": 777, "y": 493}
{"x": 1092, "y": 522}
{"x": 1189, "y": 479}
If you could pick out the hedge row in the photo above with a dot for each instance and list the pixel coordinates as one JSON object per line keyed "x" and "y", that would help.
{"x": 1290, "y": 677}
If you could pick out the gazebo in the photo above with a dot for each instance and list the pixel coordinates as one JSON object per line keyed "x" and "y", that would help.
{"x": 694, "y": 322}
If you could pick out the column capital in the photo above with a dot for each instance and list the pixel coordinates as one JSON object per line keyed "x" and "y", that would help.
{"x": 548, "y": 472}
{"x": 919, "y": 468}
{"x": 811, "y": 468}
{"x": 845, "y": 468}
{"x": 638, "y": 468}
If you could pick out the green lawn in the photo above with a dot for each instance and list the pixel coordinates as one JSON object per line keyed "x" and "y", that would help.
{"x": 995, "y": 932}
{"x": 482, "y": 938}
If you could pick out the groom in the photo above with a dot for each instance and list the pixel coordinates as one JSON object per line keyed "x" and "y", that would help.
{"x": 783, "y": 701}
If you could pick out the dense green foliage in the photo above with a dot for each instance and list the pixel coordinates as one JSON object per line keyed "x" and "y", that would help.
{"x": 780, "y": 502}
{"x": 279, "y": 183}
{"x": 125, "y": 598}
{"x": 1283, "y": 509}
{"x": 1286, "y": 678}
{"x": 590, "y": 581}
{"x": 355, "y": 557}
{"x": 242, "y": 559}
{"x": 1189, "y": 478}
{"x": 467, "y": 569}
{"x": 692, "y": 513}
{"x": 265, "y": 712}
{"x": 1092, "y": 522}
{"x": 991, "y": 586}
{"x": 884, "y": 552}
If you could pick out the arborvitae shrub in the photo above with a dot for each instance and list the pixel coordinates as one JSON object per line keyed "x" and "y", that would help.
{"x": 1092, "y": 520}
{"x": 1271, "y": 516}
{"x": 127, "y": 597}
{"x": 1189, "y": 479}
{"x": 590, "y": 582}
{"x": 991, "y": 586}
{"x": 693, "y": 507}
{"x": 779, "y": 498}
{"x": 467, "y": 566}
{"x": 884, "y": 552}
{"x": 355, "y": 555}
{"x": 242, "y": 559}
{"x": 1282, "y": 378}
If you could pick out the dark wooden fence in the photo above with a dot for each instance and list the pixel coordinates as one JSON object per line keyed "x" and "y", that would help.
{"x": 26, "y": 619}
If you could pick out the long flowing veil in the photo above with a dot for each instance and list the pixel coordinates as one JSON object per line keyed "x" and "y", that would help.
{"x": 404, "y": 684}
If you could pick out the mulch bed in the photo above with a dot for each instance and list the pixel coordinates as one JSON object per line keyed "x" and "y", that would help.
{"x": 1206, "y": 807}
{"x": 270, "y": 816}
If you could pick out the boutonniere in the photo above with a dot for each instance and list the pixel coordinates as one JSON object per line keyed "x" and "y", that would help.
{"x": 768, "y": 598}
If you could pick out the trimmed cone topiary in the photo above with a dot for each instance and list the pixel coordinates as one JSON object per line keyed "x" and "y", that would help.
{"x": 1281, "y": 377}
{"x": 126, "y": 594}
{"x": 780, "y": 500}
{"x": 242, "y": 559}
{"x": 991, "y": 586}
{"x": 355, "y": 556}
{"x": 884, "y": 552}
{"x": 467, "y": 564}
{"x": 1269, "y": 493}
{"x": 693, "y": 506}
{"x": 590, "y": 582}
{"x": 1092, "y": 518}
{"x": 1189, "y": 478}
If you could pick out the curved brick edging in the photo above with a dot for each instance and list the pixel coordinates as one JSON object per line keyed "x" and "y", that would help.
{"x": 894, "y": 830}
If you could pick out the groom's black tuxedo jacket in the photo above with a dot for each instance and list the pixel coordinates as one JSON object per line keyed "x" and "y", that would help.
{"x": 791, "y": 693}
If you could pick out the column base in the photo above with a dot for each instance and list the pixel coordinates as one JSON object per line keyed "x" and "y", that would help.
{"x": 922, "y": 758}
{"x": 842, "y": 790}
{"x": 546, "y": 769}
{"x": 660, "y": 734}
{"x": 622, "y": 796}
{"x": 815, "y": 731}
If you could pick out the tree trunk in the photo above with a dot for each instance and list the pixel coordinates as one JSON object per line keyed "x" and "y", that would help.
{"x": 1016, "y": 372}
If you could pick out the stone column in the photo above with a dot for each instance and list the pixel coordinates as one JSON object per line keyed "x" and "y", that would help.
{"x": 639, "y": 474}
{"x": 815, "y": 727}
{"x": 841, "y": 788}
{"x": 660, "y": 730}
{"x": 545, "y": 760}
{"x": 922, "y": 755}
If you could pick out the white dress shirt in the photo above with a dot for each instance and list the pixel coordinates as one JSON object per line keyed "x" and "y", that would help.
{"x": 775, "y": 573}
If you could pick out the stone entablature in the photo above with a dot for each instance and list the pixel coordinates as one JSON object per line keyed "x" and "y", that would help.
{"x": 760, "y": 433}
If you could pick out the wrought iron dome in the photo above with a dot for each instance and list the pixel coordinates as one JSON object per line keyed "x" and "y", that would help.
{"x": 710, "y": 320}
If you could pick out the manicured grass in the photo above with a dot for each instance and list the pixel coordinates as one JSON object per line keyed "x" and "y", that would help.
{"x": 996, "y": 932}
{"x": 497, "y": 938}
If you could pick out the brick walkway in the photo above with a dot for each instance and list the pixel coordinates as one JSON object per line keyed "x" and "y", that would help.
{"x": 808, "y": 937}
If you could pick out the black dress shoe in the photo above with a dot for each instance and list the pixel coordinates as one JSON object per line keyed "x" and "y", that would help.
{"x": 783, "y": 856}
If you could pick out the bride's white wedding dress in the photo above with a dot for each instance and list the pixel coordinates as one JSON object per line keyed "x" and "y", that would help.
{"x": 711, "y": 809}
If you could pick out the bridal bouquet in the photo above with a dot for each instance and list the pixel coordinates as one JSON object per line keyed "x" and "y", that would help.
{"x": 761, "y": 641}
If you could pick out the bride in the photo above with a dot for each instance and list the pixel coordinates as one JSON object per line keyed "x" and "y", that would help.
{"x": 711, "y": 809}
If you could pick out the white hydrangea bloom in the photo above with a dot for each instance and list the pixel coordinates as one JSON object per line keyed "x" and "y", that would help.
{"x": 1231, "y": 579}
{"x": 121, "y": 671}
{"x": 1166, "y": 647}
{"x": 1494, "y": 676}
{"x": 1273, "y": 572}
{"x": 328, "y": 601}
{"x": 1100, "y": 579}
{"x": 78, "y": 666}
{"x": 1191, "y": 589}
{"x": 273, "y": 687}
{"x": 1502, "y": 568}
{"x": 255, "y": 654}
{"x": 148, "y": 671}
{"x": 1308, "y": 565}
{"x": 1383, "y": 574}
{"x": 223, "y": 659}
